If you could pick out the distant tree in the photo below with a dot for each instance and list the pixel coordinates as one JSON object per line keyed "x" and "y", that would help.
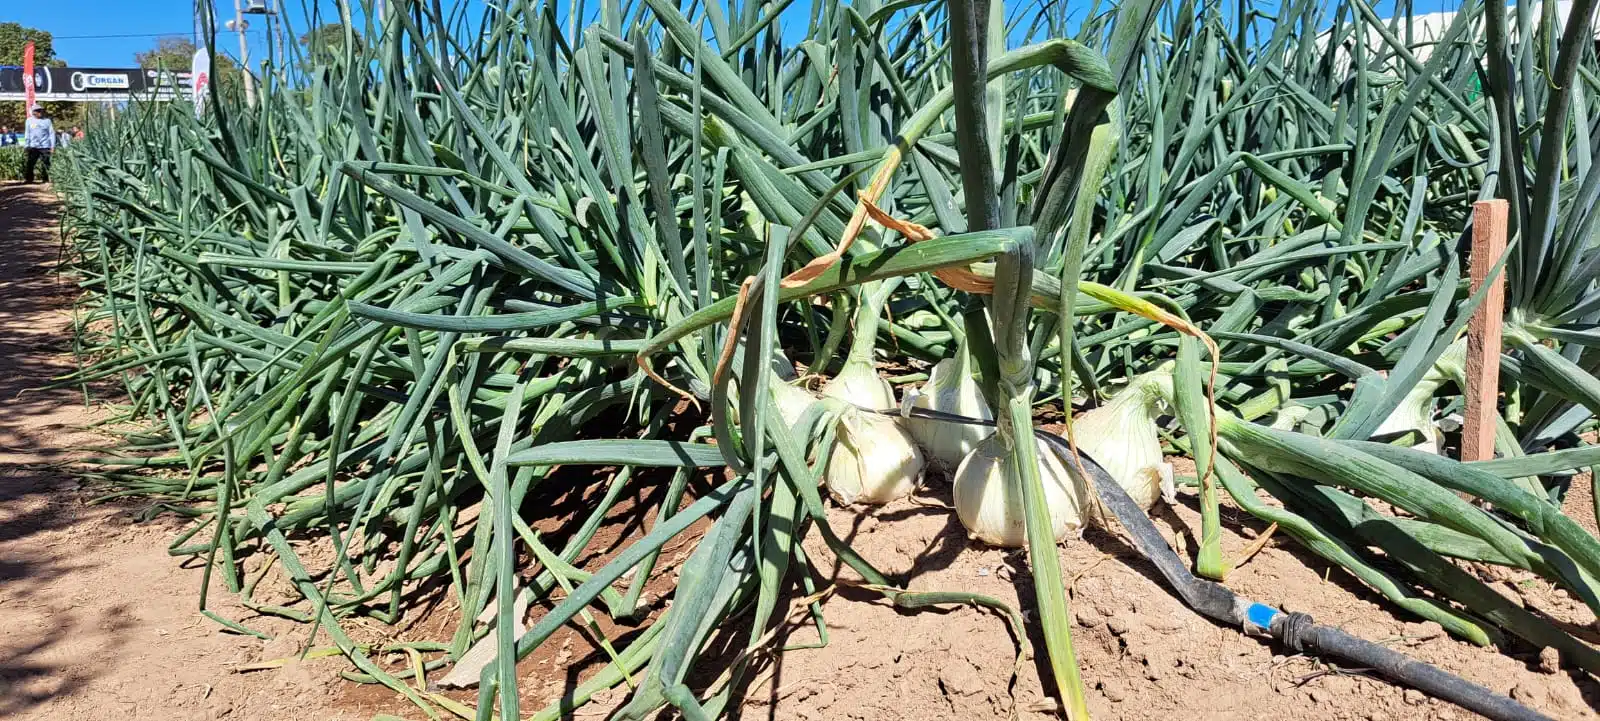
{"x": 175, "y": 53}
{"x": 172, "y": 52}
{"x": 14, "y": 37}
{"x": 326, "y": 42}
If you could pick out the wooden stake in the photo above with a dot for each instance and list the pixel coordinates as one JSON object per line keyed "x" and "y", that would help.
{"x": 1484, "y": 331}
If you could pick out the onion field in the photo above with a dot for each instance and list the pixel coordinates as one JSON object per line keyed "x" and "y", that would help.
{"x": 776, "y": 257}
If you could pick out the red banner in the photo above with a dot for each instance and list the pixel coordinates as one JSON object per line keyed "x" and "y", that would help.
{"x": 27, "y": 75}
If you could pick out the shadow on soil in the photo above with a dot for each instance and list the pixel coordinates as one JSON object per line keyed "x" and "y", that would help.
{"x": 35, "y": 498}
{"x": 35, "y": 340}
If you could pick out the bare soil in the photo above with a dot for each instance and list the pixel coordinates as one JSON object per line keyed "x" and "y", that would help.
{"x": 97, "y": 619}
{"x": 1142, "y": 652}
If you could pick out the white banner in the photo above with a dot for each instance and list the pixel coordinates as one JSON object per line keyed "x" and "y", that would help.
{"x": 200, "y": 75}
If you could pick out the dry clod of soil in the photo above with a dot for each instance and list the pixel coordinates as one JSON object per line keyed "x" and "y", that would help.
{"x": 1120, "y": 625}
{"x": 1115, "y": 690}
{"x": 1549, "y": 660}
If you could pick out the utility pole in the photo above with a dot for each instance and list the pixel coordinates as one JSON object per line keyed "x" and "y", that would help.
{"x": 278, "y": 31}
{"x": 239, "y": 26}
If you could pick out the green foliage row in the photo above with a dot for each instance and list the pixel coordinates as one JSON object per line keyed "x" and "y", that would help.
{"x": 11, "y": 159}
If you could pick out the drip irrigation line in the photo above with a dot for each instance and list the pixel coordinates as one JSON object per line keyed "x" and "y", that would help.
{"x": 1298, "y": 632}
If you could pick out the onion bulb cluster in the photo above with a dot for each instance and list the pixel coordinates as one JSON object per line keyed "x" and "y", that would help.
{"x": 878, "y": 458}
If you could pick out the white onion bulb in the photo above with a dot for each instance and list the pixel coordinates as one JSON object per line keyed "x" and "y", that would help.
{"x": 991, "y": 508}
{"x": 858, "y": 383}
{"x": 1122, "y": 437}
{"x": 792, "y": 401}
{"x": 874, "y": 460}
{"x": 1415, "y": 411}
{"x": 951, "y": 389}
{"x": 1290, "y": 417}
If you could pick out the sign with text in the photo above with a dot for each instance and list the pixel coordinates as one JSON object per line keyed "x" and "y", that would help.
{"x": 92, "y": 84}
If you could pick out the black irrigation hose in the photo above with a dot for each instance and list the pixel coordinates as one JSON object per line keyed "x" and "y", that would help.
{"x": 1296, "y": 631}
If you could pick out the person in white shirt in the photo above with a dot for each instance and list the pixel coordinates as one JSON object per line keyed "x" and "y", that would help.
{"x": 40, "y": 139}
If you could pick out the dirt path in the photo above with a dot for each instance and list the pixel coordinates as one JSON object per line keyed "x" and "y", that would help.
{"x": 97, "y": 621}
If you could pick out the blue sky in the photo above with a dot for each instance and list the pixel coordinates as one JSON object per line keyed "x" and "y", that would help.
{"x": 107, "y": 33}
{"x": 71, "y": 20}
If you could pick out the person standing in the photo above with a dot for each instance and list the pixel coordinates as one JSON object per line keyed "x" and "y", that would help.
{"x": 40, "y": 139}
